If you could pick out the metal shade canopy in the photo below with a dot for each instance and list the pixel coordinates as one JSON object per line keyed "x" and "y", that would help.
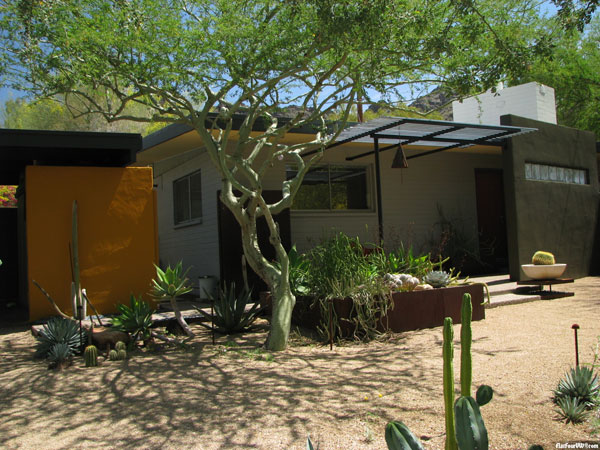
{"x": 391, "y": 131}
{"x": 398, "y": 132}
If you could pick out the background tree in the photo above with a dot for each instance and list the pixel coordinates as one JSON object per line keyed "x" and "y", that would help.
{"x": 245, "y": 59}
{"x": 573, "y": 70}
{"x": 57, "y": 113}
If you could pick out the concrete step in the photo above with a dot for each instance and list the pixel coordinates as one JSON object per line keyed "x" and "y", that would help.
{"x": 511, "y": 299}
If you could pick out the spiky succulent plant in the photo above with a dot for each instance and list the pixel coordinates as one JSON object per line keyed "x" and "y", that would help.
{"x": 113, "y": 355}
{"x": 580, "y": 383}
{"x": 135, "y": 319}
{"x": 58, "y": 330}
{"x": 171, "y": 282}
{"x": 571, "y": 410}
{"x": 437, "y": 278}
{"x": 60, "y": 355}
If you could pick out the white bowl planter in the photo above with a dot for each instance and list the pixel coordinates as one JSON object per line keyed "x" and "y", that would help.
{"x": 543, "y": 272}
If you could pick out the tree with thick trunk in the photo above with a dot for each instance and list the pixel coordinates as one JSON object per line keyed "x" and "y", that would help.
{"x": 230, "y": 68}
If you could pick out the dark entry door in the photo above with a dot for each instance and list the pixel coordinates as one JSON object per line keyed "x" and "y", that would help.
{"x": 9, "y": 254}
{"x": 491, "y": 219}
{"x": 230, "y": 243}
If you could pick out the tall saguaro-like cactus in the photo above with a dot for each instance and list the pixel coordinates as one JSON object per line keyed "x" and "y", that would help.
{"x": 448, "y": 355}
{"x": 78, "y": 306}
{"x": 465, "y": 429}
{"x": 466, "y": 336}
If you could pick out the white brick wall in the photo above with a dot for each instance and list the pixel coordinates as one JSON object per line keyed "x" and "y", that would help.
{"x": 197, "y": 245}
{"x": 410, "y": 199}
{"x": 530, "y": 100}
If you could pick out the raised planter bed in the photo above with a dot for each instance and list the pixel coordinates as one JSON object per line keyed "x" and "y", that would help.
{"x": 427, "y": 309}
{"x": 412, "y": 310}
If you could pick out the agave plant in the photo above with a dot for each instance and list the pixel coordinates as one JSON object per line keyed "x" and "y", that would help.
{"x": 60, "y": 355}
{"x": 230, "y": 314}
{"x": 579, "y": 383}
{"x": 135, "y": 319}
{"x": 58, "y": 330}
{"x": 170, "y": 284}
{"x": 571, "y": 409}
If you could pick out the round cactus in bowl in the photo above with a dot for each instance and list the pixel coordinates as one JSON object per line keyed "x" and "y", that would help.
{"x": 543, "y": 267}
{"x": 541, "y": 258}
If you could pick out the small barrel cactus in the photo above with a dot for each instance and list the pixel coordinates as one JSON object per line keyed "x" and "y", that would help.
{"x": 121, "y": 355}
{"x": 543, "y": 258}
{"x": 90, "y": 355}
{"x": 437, "y": 278}
{"x": 120, "y": 346}
{"x": 113, "y": 355}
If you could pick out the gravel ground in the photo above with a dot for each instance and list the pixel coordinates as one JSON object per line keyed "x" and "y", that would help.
{"x": 233, "y": 396}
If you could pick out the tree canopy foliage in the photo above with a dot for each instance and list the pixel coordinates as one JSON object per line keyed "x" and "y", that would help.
{"x": 186, "y": 59}
{"x": 573, "y": 70}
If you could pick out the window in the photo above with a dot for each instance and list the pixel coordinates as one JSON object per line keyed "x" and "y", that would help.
{"x": 544, "y": 172}
{"x": 332, "y": 187}
{"x": 187, "y": 199}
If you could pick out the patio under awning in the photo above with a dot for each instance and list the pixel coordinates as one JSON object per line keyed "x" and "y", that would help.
{"x": 396, "y": 132}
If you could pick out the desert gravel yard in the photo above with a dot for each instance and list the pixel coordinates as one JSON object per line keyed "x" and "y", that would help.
{"x": 234, "y": 396}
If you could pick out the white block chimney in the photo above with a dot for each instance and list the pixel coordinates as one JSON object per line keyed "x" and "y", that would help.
{"x": 531, "y": 100}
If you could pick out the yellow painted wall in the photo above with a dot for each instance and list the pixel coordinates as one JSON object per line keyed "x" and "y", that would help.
{"x": 117, "y": 234}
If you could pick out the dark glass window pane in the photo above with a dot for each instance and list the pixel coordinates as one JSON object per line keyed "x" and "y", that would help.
{"x": 314, "y": 192}
{"x": 348, "y": 188}
{"x": 181, "y": 200}
{"x": 196, "y": 195}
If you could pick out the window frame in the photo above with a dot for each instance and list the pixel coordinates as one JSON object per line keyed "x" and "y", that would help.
{"x": 191, "y": 220}
{"x": 552, "y": 174}
{"x": 369, "y": 190}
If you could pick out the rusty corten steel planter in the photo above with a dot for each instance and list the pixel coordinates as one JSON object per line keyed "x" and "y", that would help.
{"x": 412, "y": 310}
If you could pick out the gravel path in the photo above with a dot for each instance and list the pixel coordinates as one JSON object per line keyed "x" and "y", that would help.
{"x": 234, "y": 397}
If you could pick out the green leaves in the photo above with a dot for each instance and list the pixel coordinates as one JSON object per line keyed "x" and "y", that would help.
{"x": 135, "y": 319}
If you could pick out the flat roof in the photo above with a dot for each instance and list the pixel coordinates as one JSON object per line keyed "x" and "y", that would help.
{"x": 440, "y": 134}
{"x": 19, "y": 148}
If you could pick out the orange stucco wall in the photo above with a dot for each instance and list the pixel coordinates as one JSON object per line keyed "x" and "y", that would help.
{"x": 117, "y": 234}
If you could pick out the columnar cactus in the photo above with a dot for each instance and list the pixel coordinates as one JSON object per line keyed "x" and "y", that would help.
{"x": 465, "y": 429}
{"x": 466, "y": 368}
{"x": 90, "y": 355}
{"x": 543, "y": 258}
{"x": 448, "y": 380}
